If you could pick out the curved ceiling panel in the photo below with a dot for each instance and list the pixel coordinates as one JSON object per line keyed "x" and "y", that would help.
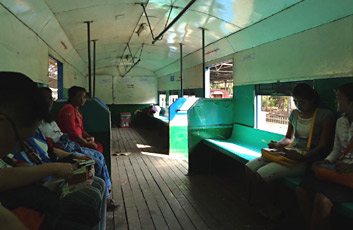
{"x": 117, "y": 23}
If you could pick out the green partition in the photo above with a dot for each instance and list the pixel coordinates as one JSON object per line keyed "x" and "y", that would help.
{"x": 97, "y": 122}
{"x": 208, "y": 118}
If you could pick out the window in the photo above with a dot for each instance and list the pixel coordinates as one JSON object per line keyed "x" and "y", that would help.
{"x": 273, "y": 112}
{"x": 219, "y": 80}
{"x": 162, "y": 100}
{"x": 55, "y": 75}
{"x": 172, "y": 98}
{"x": 162, "y": 104}
{"x": 189, "y": 93}
{"x": 273, "y": 105}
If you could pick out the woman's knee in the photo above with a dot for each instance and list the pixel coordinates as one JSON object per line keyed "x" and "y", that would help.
{"x": 302, "y": 194}
{"x": 322, "y": 204}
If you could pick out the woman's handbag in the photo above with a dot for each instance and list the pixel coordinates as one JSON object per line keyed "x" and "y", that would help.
{"x": 276, "y": 156}
{"x": 327, "y": 172}
{"x": 279, "y": 157}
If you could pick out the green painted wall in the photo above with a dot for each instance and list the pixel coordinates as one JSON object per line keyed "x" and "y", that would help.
{"x": 327, "y": 91}
{"x": 243, "y": 100}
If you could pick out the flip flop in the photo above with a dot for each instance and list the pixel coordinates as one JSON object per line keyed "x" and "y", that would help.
{"x": 111, "y": 206}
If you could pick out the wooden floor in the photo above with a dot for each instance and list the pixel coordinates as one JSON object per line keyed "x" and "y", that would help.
{"x": 154, "y": 191}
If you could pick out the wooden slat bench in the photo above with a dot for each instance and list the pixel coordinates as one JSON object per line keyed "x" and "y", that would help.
{"x": 245, "y": 145}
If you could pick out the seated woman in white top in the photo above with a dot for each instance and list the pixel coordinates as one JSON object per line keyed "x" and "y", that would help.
{"x": 317, "y": 197}
{"x": 261, "y": 172}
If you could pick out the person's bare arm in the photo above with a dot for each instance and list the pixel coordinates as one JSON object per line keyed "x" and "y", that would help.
{"x": 84, "y": 143}
{"x": 11, "y": 178}
{"x": 287, "y": 140}
{"x": 61, "y": 154}
{"x": 9, "y": 221}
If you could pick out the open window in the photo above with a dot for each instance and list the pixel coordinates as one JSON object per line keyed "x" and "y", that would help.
{"x": 189, "y": 93}
{"x": 163, "y": 103}
{"x": 273, "y": 113}
{"x": 274, "y": 104}
{"x": 173, "y": 98}
{"x": 55, "y": 75}
{"x": 219, "y": 80}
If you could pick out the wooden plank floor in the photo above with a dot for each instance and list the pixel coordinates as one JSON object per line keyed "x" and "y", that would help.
{"x": 154, "y": 192}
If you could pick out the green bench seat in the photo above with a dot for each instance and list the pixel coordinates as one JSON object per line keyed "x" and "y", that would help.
{"x": 163, "y": 119}
{"x": 245, "y": 144}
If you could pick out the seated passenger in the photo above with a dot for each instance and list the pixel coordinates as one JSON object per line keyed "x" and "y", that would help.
{"x": 49, "y": 129}
{"x": 70, "y": 120}
{"x": 86, "y": 203}
{"x": 261, "y": 172}
{"x": 21, "y": 109}
{"x": 317, "y": 197}
{"x": 153, "y": 110}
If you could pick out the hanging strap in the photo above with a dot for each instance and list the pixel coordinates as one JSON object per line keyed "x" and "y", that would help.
{"x": 304, "y": 152}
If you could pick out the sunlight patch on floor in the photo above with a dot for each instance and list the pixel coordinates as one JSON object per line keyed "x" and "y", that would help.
{"x": 142, "y": 146}
{"x": 174, "y": 156}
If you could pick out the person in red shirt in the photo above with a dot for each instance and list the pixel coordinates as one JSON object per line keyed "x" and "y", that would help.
{"x": 70, "y": 120}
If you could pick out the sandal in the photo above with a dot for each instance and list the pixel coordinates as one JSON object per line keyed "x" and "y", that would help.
{"x": 277, "y": 216}
{"x": 111, "y": 206}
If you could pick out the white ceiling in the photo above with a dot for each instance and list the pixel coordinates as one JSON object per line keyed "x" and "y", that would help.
{"x": 115, "y": 23}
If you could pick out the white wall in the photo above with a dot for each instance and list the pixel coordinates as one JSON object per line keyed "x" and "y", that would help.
{"x": 134, "y": 90}
{"x": 322, "y": 52}
{"x": 22, "y": 50}
{"x": 312, "y": 39}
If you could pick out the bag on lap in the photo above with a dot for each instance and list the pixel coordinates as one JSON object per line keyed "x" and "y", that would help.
{"x": 276, "y": 156}
{"x": 279, "y": 157}
{"x": 331, "y": 175}
{"x": 327, "y": 172}
{"x": 82, "y": 177}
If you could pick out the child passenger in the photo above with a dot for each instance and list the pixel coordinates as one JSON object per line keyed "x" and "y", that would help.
{"x": 261, "y": 173}
{"x": 317, "y": 197}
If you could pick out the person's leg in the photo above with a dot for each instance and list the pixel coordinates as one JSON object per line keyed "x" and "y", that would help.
{"x": 84, "y": 205}
{"x": 305, "y": 202}
{"x": 100, "y": 185}
{"x": 321, "y": 218}
{"x": 251, "y": 178}
{"x": 37, "y": 198}
{"x": 267, "y": 177}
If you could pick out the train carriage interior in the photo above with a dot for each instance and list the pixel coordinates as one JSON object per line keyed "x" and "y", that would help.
{"x": 183, "y": 93}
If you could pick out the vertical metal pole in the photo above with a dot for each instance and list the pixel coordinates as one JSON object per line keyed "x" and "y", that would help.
{"x": 203, "y": 63}
{"x": 89, "y": 56}
{"x": 94, "y": 67}
{"x": 181, "y": 70}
